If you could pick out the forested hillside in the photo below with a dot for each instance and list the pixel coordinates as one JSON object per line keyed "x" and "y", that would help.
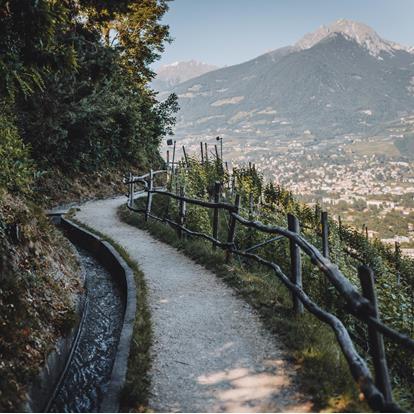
{"x": 72, "y": 87}
{"x": 75, "y": 112}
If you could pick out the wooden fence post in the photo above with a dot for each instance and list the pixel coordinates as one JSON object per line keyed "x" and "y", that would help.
{"x": 182, "y": 213}
{"x": 217, "y": 154}
{"x": 376, "y": 342}
{"x": 295, "y": 263}
{"x": 202, "y": 153}
{"x": 233, "y": 184}
{"x": 205, "y": 144}
{"x": 149, "y": 195}
{"x": 173, "y": 159}
{"x": 185, "y": 157}
{"x": 325, "y": 234}
{"x": 250, "y": 231}
{"x": 217, "y": 187}
{"x": 130, "y": 190}
{"x": 232, "y": 226}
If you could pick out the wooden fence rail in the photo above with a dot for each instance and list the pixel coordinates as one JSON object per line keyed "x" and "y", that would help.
{"x": 362, "y": 306}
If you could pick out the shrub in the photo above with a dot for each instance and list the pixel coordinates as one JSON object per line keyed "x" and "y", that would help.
{"x": 16, "y": 170}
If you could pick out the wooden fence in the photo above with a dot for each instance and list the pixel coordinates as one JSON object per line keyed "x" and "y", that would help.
{"x": 363, "y": 306}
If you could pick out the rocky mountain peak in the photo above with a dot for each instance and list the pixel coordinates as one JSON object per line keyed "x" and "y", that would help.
{"x": 361, "y": 33}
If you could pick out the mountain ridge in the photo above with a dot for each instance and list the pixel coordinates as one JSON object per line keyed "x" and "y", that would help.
{"x": 360, "y": 32}
{"x": 334, "y": 86}
{"x": 169, "y": 75}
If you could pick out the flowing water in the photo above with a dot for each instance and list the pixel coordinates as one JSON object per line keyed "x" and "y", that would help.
{"x": 87, "y": 377}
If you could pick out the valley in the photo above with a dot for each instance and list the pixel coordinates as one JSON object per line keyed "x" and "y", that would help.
{"x": 330, "y": 118}
{"x": 366, "y": 180}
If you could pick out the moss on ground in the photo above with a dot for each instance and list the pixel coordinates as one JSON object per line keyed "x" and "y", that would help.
{"x": 322, "y": 370}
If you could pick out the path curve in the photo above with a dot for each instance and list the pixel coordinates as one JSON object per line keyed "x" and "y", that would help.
{"x": 210, "y": 350}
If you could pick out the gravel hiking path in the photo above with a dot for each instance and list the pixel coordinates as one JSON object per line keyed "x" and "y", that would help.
{"x": 210, "y": 350}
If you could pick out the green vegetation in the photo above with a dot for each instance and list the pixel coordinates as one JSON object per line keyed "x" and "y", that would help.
{"x": 394, "y": 274}
{"x": 136, "y": 390}
{"x": 72, "y": 86}
{"x": 323, "y": 371}
{"x": 39, "y": 281}
{"x": 75, "y": 112}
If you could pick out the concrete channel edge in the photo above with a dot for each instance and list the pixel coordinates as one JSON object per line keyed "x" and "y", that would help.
{"x": 124, "y": 276}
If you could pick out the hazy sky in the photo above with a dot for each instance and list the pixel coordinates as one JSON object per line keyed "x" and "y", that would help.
{"x": 226, "y": 32}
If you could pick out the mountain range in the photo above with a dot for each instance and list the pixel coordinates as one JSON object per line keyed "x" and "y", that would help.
{"x": 341, "y": 79}
{"x": 174, "y": 73}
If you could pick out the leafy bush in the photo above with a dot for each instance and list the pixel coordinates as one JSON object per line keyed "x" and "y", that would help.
{"x": 16, "y": 171}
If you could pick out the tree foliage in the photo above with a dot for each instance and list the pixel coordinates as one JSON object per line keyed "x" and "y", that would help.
{"x": 78, "y": 101}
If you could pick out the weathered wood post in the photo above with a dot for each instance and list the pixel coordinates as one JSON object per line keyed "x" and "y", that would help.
{"x": 232, "y": 227}
{"x": 130, "y": 190}
{"x": 325, "y": 234}
{"x": 173, "y": 159}
{"x": 217, "y": 188}
{"x": 251, "y": 204}
{"x": 168, "y": 169}
{"x": 205, "y": 144}
{"x": 233, "y": 183}
{"x": 295, "y": 263}
{"x": 185, "y": 157}
{"x": 149, "y": 195}
{"x": 202, "y": 153}
{"x": 182, "y": 213}
{"x": 217, "y": 154}
{"x": 376, "y": 342}
{"x": 250, "y": 231}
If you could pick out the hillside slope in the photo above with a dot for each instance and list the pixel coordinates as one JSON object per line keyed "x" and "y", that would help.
{"x": 336, "y": 85}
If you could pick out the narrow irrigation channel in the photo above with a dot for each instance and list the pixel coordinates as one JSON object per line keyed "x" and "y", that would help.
{"x": 86, "y": 377}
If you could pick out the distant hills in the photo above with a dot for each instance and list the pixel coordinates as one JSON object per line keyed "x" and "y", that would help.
{"x": 170, "y": 75}
{"x": 341, "y": 79}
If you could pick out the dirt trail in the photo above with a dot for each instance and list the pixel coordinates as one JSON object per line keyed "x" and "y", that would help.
{"x": 210, "y": 351}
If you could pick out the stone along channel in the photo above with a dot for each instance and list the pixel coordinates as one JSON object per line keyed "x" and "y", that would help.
{"x": 89, "y": 371}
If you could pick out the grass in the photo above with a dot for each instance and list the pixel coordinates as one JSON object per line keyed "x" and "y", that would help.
{"x": 135, "y": 393}
{"x": 323, "y": 372}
